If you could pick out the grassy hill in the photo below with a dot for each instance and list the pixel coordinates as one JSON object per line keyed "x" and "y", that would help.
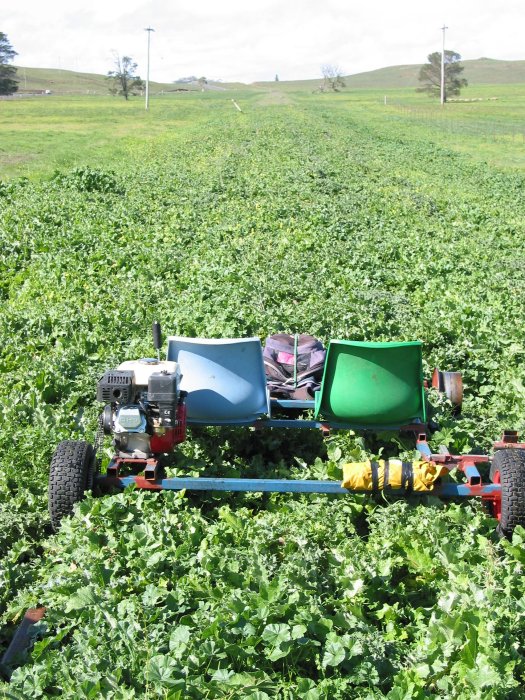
{"x": 482, "y": 71}
{"x": 68, "y": 82}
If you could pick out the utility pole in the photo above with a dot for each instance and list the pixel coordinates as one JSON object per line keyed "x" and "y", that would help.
{"x": 149, "y": 30}
{"x": 443, "y": 28}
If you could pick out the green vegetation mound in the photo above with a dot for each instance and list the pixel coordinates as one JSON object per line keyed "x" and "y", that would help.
{"x": 300, "y": 217}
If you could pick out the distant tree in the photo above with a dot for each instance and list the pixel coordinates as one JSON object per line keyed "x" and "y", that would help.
{"x": 202, "y": 81}
{"x": 430, "y": 75}
{"x": 276, "y": 78}
{"x": 8, "y": 81}
{"x": 124, "y": 80}
{"x": 332, "y": 78}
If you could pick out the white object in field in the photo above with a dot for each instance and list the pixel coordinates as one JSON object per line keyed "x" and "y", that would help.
{"x": 235, "y": 103}
{"x": 147, "y": 366}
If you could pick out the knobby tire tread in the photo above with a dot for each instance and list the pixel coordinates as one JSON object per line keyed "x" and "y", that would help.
{"x": 69, "y": 478}
{"x": 510, "y": 463}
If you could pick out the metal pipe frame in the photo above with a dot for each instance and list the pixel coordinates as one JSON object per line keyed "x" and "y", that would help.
{"x": 448, "y": 490}
{"x": 473, "y": 486}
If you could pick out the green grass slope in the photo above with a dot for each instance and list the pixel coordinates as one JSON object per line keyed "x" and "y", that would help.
{"x": 493, "y": 72}
{"x": 478, "y": 72}
{"x": 482, "y": 71}
{"x": 60, "y": 81}
{"x": 68, "y": 82}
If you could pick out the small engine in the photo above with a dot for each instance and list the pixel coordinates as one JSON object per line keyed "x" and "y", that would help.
{"x": 144, "y": 409}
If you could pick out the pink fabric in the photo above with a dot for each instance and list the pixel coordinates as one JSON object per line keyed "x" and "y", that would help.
{"x": 285, "y": 358}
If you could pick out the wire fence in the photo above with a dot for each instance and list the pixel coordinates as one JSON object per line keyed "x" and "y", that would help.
{"x": 510, "y": 130}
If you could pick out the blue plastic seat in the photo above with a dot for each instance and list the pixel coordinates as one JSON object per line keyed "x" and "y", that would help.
{"x": 224, "y": 378}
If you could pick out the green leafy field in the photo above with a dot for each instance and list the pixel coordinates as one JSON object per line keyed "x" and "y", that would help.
{"x": 303, "y": 213}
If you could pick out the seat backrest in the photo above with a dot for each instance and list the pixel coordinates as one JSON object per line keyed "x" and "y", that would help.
{"x": 372, "y": 384}
{"x": 224, "y": 379}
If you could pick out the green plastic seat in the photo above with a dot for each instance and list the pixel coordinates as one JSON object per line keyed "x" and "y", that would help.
{"x": 372, "y": 384}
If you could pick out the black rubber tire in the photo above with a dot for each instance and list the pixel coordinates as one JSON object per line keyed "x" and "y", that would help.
{"x": 508, "y": 469}
{"x": 70, "y": 475}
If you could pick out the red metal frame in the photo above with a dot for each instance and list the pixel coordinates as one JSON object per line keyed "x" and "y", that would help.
{"x": 467, "y": 463}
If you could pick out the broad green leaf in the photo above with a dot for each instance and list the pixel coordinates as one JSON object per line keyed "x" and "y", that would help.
{"x": 274, "y": 634}
{"x": 82, "y": 598}
{"x": 163, "y": 671}
{"x": 334, "y": 653}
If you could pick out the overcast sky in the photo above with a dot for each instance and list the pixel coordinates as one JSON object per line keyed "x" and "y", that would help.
{"x": 249, "y": 40}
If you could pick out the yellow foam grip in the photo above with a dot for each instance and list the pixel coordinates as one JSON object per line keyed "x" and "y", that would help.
{"x": 375, "y": 476}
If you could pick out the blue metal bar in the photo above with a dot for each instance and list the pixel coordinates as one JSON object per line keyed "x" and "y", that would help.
{"x": 289, "y": 423}
{"x": 297, "y": 423}
{"x": 449, "y": 490}
{"x": 218, "y": 484}
{"x": 264, "y": 423}
{"x": 472, "y": 474}
{"x": 268, "y": 422}
{"x": 291, "y": 403}
{"x": 423, "y": 449}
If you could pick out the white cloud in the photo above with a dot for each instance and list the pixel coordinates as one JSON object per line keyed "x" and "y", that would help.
{"x": 239, "y": 40}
